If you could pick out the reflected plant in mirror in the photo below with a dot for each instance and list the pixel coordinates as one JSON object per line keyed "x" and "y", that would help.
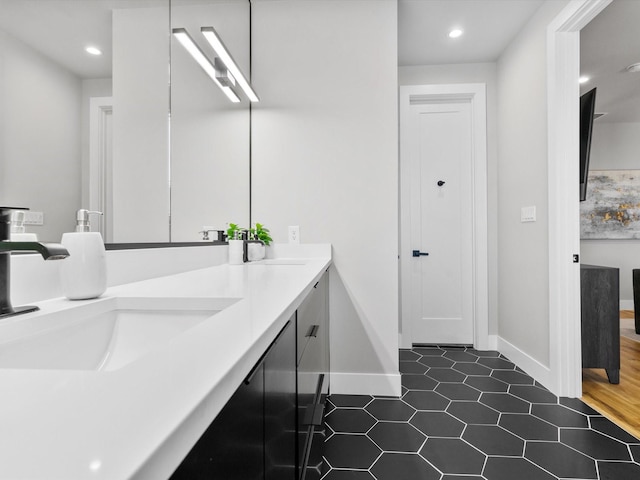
{"x": 91, "y": 130}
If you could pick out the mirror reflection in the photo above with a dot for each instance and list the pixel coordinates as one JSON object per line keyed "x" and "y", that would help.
{"x": 85, "y": 130}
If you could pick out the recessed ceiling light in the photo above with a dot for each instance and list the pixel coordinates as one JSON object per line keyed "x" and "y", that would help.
{"x": 93, "y": 51}
{"x": 634, "y": 68}
{"x": 584, "y": 79}
{"x": 455, "y": 33}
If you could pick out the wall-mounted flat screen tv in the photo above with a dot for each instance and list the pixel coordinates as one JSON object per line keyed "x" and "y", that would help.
{"x": 587, "y": 111}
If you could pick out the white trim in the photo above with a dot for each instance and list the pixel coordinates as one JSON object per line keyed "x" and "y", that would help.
{"x": 99, "y": 196}
{"x": 563, "y": 54}
{"x": 492, "y": 342}
{"x": 476, "y": 93}
{"x": 530, "y": 365}
{"x": 380, "y": 384}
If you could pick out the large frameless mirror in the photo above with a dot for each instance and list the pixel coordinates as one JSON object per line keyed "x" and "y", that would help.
{"x": 136, "y": 131}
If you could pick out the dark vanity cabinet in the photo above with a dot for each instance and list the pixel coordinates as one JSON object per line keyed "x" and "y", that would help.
{"x": 313, "y": 375}
{"x": 272, "y": 427}
{"x": 254, "y": 436}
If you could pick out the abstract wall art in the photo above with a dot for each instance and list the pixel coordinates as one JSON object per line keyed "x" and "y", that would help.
{"x": 612, "y": 207}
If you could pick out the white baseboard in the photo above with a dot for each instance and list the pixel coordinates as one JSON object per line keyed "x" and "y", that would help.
{"x": 626, "y": 305}
{"x": 530, "y": 365}
{"x": 379, "y": 384}
{"x": 492, "y": 341}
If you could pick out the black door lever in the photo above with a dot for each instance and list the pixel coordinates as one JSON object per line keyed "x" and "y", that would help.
{"x": 418, "y": 253}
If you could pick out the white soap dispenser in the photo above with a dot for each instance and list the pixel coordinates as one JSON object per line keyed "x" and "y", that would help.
{"x": 84, "y": 272}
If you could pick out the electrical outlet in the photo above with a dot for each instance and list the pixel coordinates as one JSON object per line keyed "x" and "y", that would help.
{"x": 294, "y": 234}
{"x": 33, "y": 218}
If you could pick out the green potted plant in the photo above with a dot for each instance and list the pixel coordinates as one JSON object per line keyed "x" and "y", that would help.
{"x": 260, "y": 239}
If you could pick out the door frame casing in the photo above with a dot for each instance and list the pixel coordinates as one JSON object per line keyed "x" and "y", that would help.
{"x": 475, "y": 93}
{"x": 563, "y": 70}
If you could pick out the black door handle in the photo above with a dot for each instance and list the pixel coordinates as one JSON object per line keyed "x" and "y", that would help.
{"x": 418, "y": 253}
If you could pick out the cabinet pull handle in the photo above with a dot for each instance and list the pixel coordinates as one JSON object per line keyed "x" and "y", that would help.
{"x": 316, "y": 285}
{"x": 313, "y": 331}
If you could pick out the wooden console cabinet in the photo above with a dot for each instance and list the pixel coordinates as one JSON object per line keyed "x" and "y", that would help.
{"x": 600, "y": 304}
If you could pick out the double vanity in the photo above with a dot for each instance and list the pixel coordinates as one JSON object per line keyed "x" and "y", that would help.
{"x": 157, "y": 379}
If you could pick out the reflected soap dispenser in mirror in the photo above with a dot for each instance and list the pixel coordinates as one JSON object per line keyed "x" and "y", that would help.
{"x": 84, "y": 275}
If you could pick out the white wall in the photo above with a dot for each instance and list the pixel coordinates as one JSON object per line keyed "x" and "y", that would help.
{"x": 473, "y": 73}
{"x": 523, "y": 303}
{"x": 615, "y": 146}
{"x": 39, "y": 137}
{"x": 325, "y": 157}
{"x": 141, "y": 125}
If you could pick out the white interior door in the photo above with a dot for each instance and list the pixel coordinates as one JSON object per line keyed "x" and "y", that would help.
{"x": 440, "y": 161}
{"x": 100, "y": 165}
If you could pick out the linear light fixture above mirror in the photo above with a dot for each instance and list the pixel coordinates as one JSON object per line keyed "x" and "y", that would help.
{"x": 222, "y": 52}
{"x": 198, "y": 55}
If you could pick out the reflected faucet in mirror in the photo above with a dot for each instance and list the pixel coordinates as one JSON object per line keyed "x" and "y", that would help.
{"x": 49, "y": 251}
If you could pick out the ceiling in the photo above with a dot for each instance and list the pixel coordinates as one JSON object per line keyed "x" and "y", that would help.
{"x": 608, "y": 44}
{"x": 489, "y": 26}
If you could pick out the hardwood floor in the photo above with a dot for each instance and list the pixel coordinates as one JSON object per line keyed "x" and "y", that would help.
{"x": 620, "y": 403}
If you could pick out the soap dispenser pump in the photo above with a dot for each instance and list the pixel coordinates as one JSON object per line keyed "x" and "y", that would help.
{"x": 84, "y": 274}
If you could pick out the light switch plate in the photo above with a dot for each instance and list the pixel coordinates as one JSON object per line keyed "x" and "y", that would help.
{"x": 528, "y": 214}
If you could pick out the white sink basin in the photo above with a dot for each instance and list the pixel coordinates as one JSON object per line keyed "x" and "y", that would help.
{"x": 104, "y": 335}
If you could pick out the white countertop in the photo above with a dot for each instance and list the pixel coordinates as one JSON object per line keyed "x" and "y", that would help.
{"x": 139, "y": 421}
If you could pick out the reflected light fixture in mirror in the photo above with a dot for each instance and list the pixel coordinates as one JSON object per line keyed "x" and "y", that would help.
{"x": 198, "y": 55}
{"x": 222, "y": 52}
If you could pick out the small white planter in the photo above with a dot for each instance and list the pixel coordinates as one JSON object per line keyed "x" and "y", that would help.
{"x": 256, "y": 251}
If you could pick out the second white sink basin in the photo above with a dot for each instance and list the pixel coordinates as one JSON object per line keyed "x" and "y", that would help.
{"x": 102, "y": 336}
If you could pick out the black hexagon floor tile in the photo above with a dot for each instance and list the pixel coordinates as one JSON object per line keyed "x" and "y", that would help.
{"x": 533, "y": 394}
{"x": 529, "y": 427}
{"x": 504, "y": 468}
{"x": 505, "y": 403}
{"x": 487, "y": 384}
{"x": 445, "y": 375}
{"x": 399, "y": 466}
{"x": 426, "y": 400}
{"x": 356, "y": 401}
{"x": 429, "y": 351}
{"x": 603, "y": 425}
{"x": 457, "y": 391}
{"x": 472, "y": 369}
{"x": 473, "y": 413}
{"x": 460, "y": 356}
{"x": 512, "y": 377}
{"x": 466, "y": 413}
{"x": 437, "y": 424}
{"x": 418, "y": 382}
{"x": 594, "y": 444}
{"x": 493, "y": 440}
{"x": 346, "y": 420}
{"x": 350, "y": 451}
{"x": 496, "y": 363}
{"x": 561, "y": 460}
{"x": 348, "y": 475}
{"x": 397, "y": 437}
{"x": 559, "y": 416}
{"x": 413, "y": 368}
{"x": 390, "y": 409}
{"x": 436, "y": 362}
{"x": 618, "y": 471}
{"x": 452, "y": 455}
{"x": 409, "y": 355}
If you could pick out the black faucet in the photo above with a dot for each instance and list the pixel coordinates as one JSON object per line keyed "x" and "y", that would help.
{"x": 49, "y": 251}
